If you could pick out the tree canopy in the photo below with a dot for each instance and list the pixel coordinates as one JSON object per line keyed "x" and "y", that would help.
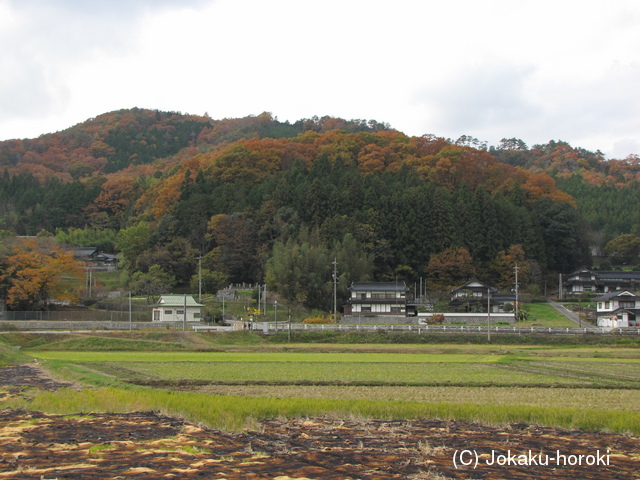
{"x": 260, "y": 200}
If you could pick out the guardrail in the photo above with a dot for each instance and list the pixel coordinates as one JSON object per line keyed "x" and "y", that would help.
{"x": 216, "y": 328}
{"x": 270, "y": 328}
{"x": 464, "y": 329}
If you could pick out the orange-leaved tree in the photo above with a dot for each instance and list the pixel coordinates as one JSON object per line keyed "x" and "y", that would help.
{"x": 36, "y": 270}
{"x": 450, "y": 268}
{"x": 505, "y": 263}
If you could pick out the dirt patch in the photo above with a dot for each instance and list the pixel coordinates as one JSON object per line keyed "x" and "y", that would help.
{"x": 20, "y": 377}
{"x": 148, "y": 445}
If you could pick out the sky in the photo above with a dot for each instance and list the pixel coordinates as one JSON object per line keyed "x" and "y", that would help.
{"x": 490, "y": 69}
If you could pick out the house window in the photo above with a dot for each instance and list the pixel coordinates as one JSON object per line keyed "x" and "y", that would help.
{"x": 168, "y": 312}
{"x": 196, "y": 315}
{"x": 180, "y": 312}
{"x": 366, "y": 308}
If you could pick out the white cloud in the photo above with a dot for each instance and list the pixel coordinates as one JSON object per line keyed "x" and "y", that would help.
{"x": 480, "y": 98}
{"x": 534, "y": 70}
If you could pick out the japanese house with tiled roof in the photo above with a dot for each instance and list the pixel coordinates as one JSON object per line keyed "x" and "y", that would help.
{"x": 586, "y": 281}
{"x": 473, "y": 296}
{"x": 618, "y": 309}
{"x": 377, "y": 298}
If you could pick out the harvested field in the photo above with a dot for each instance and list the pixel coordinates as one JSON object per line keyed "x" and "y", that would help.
{"x": 20, "y": 377}
{"x": 148, "y": 445}
{"x": 145, "y": 445}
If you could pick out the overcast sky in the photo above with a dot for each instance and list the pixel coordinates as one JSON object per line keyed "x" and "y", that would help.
{"x": 535, "y": 70}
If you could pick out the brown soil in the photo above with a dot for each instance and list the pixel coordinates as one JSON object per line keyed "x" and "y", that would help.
{"x": 147, "y": 445}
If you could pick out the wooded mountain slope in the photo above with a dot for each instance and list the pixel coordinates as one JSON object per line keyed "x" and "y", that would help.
{"x": 261, "y": 199}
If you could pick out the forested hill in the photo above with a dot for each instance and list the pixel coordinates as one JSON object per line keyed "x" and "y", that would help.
{"x": 260, "y": 199}
{"x": 115, "y": 140}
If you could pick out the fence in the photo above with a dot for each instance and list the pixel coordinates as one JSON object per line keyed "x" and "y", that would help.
{"x": 122, "y": 323}
{"x": 463, "y": 329}
{"x": 78, "y": 316}
{"x": 80, "y": 326}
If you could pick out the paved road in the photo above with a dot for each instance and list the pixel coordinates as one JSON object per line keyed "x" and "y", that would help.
{"x": 573, "y": 316}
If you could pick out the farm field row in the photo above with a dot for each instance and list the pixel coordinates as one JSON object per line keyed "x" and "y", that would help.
{"x": 332, "y": 373}
{"x": 269, "y": 357}
{"x": 236, "y": 412}
{"x": 170, "y": 369}
{"x": 282, "y": 355}
{"x": 596, "y": 387}
{"x": 586, "y": 398}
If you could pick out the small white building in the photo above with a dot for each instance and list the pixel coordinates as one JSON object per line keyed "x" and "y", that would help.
{"x": 618, "y": 309}
{"x": 172, "y": 308}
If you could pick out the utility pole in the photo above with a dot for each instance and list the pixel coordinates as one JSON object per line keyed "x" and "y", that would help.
{"x": 516, "y": 309}
{"x": 335, "y": 289}
{"x": 559, "y": 286}
{"x": 184, "y": 323}
{"x": 489, "y": 315}
{"x": 264, "y": 299}
{"x": 200, "y": 279}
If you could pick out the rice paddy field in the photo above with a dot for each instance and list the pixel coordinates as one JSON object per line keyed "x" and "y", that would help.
{"x": 362, "y": 369}
{"x": 596, "y": 381}
{"x": 487, "y": 381}
{"x": 237, "y": 405}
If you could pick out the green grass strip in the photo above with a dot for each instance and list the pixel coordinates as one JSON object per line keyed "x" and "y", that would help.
{"x": 298, "y": 357}
{"x": 584, "y": 359}
{"x": 235, "y": 413}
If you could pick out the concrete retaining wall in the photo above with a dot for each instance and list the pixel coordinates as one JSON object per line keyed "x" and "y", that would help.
{"x": 471, "y": 318}
{"x": 449, "y": 318}
{"x": 52, "y": 325}
{"x": 378, "y": 320}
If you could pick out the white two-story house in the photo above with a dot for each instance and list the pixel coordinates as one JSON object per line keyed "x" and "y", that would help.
{"x": 618, "y": 309}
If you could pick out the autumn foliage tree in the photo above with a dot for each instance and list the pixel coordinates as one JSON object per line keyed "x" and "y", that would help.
{"x": 35, "y": 271}
{"x": 505, "y": 263}
{"x": 450, "y": 268}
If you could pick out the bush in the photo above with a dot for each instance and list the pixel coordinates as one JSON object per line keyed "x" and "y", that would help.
{"x": 321, "y": 319}
{"x": 437, "y": 319}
